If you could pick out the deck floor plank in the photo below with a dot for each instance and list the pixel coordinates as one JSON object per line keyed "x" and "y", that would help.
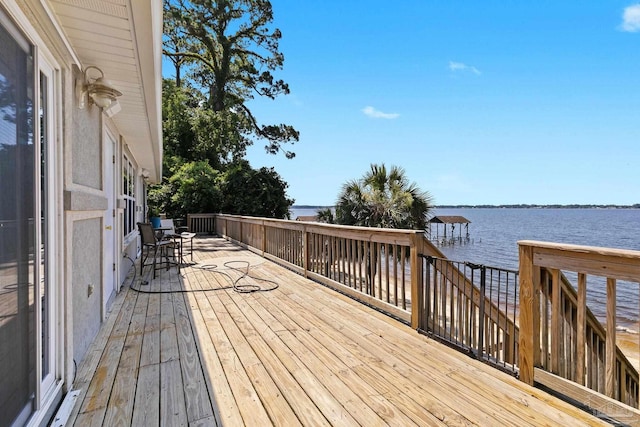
{"x": 87, "y": 367}
{"x": 120, "y": 406}
{"x": 225, "y": 409}
{"x": 436, "y": 383}
{"x": 510, "y": 399}
{"x": 146, "y": 407}
{"x": 301, "y": 354}
{"x": 94, "y": 403}
{"x": 195, "y": 388}
{"x": 315, "y": 335}
{"x": 371, "y": 357}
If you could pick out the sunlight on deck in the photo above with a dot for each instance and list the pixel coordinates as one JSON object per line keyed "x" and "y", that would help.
{"x": 299, "y": 354}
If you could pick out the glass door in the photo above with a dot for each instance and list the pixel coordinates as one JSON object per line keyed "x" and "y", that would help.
{"x": 18, "y": 329}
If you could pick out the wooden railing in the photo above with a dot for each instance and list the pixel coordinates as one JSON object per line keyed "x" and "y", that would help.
{"x": 201, "y": 223}
{"x": 397, "y": 271}
{"x": 401, "y": 273}
{"x": 558, "y": 333}
{"x": 372, "y": 265}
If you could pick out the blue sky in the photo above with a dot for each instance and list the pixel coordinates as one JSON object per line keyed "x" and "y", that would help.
{"x": 480, "y": 102}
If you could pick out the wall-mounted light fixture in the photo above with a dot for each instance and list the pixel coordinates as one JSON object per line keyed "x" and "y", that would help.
{"x": 144, "y": 173}
{"x": 99, "y": 89}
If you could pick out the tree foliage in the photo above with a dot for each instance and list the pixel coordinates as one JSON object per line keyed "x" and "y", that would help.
{"x": 232, "y": 53}
{"x": 257, "y": 192}
{"x": 196, "y": 187}
{"x": 195, "y": 133}
{"x": 193, "y": 188}
{"x": 383, "y": 198}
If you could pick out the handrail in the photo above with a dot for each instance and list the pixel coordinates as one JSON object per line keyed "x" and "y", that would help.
{"x": 385, "y": 269}
{"x": 573, "y": 342}
{"x": 373, "y": 265}
{"x": 381, "y": 267}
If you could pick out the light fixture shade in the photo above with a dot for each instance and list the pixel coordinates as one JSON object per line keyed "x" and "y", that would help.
{"x": 100, "y": 90}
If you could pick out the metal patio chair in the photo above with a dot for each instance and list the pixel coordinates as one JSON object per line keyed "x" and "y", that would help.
{"x": 181, "y": 236}
{"x": 151, "y": 242}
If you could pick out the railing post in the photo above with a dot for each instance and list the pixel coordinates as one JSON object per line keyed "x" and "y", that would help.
{"x": 416, "y": 280}
{"x": 610, "y": 358}
{"x": 528, "y": 312}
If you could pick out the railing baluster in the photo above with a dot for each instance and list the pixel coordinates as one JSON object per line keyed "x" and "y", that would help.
{"x": 555, "y": 321}
{"x": 581, "y": 326}
{"x": 610, "y": 359}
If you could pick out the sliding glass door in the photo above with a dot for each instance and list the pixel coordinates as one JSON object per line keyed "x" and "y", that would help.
{"x": 29, "y": 314}
{"x": 18, "y": 329}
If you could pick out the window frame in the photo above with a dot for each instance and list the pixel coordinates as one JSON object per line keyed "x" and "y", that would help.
{"x": 128, "y": 191}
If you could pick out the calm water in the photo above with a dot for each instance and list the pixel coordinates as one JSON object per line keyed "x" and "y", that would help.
{"x": 494, "y": 233}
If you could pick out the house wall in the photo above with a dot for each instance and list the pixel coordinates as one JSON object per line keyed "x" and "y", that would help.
{"x": 86, "y": 145}
{"x": 81, "y": 195}
{"x": 86, "y": 283}
{"x": 88, "y": 198}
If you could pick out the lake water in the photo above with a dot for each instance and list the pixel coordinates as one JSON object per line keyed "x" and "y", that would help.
{"x": 494, "y": 233}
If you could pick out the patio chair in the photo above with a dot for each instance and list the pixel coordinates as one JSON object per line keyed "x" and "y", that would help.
{"x": 151, "y": 242}
{"x": 183, "y": 236}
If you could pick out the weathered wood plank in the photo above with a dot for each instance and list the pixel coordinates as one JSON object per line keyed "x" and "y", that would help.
{"x": 270, "y": 395}
{"x": 101, "y": 384}
{"x": 146, "y": 408}
{"x": 581, "y": 328}
{"x": 120, "y": 405}
{"x": 196, "y": 394}
{"x": 334, "y": 356}
{"x": 376, "y": 346}
{"x": 528, "y": 312}
{"x": 499, "y": 400}
{"x": 247, "y": 400}
{"x": 173, "y": 411}
{"x": 225, "y": 409}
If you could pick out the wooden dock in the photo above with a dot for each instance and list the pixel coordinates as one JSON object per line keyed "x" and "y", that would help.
{"x": 300, "y": 354}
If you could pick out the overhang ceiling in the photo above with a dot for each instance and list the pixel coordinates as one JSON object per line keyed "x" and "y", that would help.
{"x": 124, "y": 39}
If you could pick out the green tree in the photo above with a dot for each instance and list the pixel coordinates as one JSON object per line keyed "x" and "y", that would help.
{"x": 383, "y": 198}
{"x": 326, "y": 215}
{"x": 193, "y": 133}
{"x": 194, "y": 188}
{"x": 255, "y": 192}
{"x": 233, "y": 52}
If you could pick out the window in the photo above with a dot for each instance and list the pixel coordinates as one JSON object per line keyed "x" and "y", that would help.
{"x": 129, "y": 196}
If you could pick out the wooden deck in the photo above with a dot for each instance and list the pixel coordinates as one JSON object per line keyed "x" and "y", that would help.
{"x": 301, "y": 354}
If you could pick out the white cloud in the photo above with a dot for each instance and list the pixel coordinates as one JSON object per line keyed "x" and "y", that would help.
{"x": 631, "y": 18}
{"x": 459, "y": 66}
{"x": 377, "y": 114}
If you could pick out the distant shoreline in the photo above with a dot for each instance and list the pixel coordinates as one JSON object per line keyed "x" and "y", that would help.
{"x": 518, "y": 206}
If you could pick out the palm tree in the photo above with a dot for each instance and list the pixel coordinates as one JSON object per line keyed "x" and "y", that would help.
{"x": 383, "y": 198}
{"x": 325, "y": 215}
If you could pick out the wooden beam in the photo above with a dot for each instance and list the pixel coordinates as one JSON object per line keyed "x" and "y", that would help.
{"x": 416, "y": 281}
{"x": 527, "y": 313}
